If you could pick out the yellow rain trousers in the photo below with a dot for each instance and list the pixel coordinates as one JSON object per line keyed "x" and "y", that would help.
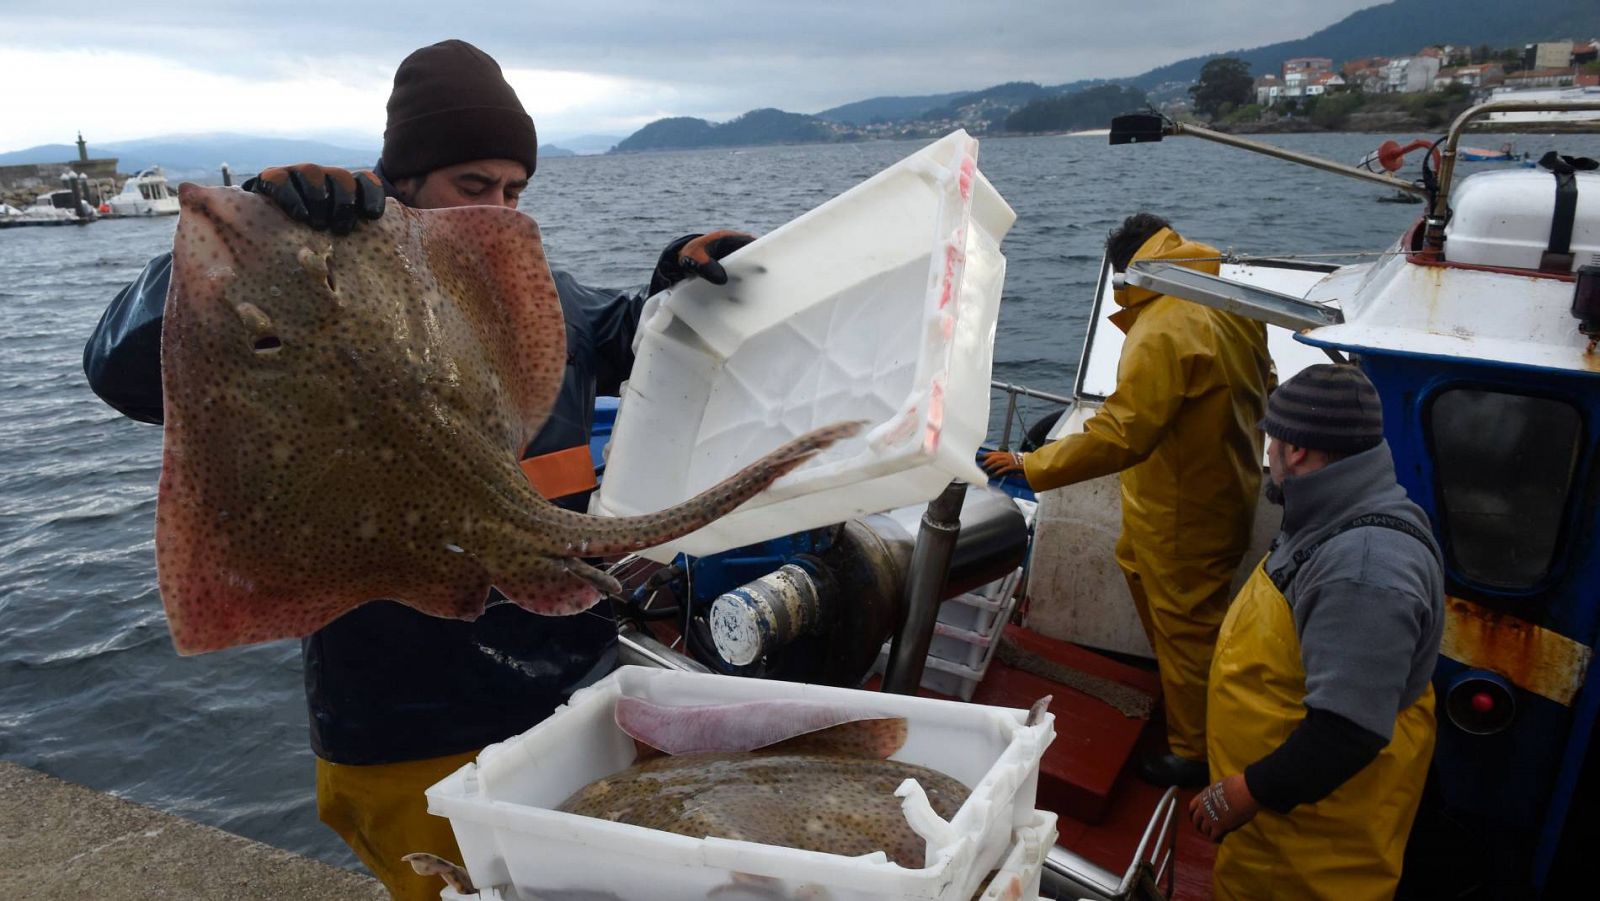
{"x": 1348, "y": 846}
{"x": 1192, "y": 384}
{"x": 382, "y": 814}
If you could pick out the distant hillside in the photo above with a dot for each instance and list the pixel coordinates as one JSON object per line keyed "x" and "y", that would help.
{"x": 1008, "y": 96}
{"x": 548, "y": 151}
{"x": 1092, "y": 108}
{"x": 50, "y": 153}
{"x": 201, "y": 155}
{"x": 886, "y": 109}
{"x": 762, "y": 126}
{"x": 1405, "y": 26}
{"x": 589, "y": 143}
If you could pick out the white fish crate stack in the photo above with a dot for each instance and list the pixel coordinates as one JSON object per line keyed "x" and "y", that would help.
{"x": 967, "y": 632}
{"x": 514, "y": 841}
{"x": 878, "y": 306}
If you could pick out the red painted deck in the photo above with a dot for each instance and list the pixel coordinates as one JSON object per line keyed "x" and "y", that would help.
{"x": 1088, "y": 775}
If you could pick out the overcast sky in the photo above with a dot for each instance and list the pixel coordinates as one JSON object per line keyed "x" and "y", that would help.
{"x": 120, "y": 71}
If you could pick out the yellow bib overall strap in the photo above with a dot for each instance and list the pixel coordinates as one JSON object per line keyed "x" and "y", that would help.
{"x": 1351, "y": 844}
{"x": 560, "y": 473}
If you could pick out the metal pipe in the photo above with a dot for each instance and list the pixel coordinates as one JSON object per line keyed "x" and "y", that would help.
{"x": 1306, "y": 159}
{"x": 1439, "y": 216}
{"x": 635, "y": 648}
{"x": 1018, "y": 389}
{"x": 930, "y": 564}
{"x": 1011, "y": 411}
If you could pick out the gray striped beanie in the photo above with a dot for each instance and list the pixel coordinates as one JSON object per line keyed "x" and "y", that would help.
{"x": 1326, "y": 407}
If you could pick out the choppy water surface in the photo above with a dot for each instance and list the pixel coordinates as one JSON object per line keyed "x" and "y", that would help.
{"x": 90, "y": 688}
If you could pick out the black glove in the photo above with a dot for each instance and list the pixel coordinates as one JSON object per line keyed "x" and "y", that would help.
{"x": 322, "y": 197}
{"x": 697, "y": 255}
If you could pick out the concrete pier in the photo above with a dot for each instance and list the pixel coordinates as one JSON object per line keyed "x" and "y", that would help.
{"x": 64, "y": 841}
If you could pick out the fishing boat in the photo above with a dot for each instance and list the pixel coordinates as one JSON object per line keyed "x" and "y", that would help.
{"x": 62, "y": 207}
{"x": 1478, "y": 326}
{"x": 143, "y": 194}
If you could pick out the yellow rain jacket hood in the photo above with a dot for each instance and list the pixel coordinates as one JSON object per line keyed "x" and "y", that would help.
{"x": 1192, "y": 384}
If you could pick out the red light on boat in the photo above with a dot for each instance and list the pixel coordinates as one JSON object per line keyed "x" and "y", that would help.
{"x": 1480, "y": 702}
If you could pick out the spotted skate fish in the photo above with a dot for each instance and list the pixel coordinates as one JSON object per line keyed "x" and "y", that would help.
{"x": 790, "y": 773}
{"x": 344, "y": 417}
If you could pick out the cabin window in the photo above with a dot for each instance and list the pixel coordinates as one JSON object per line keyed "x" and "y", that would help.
{"x": 1505, "y": 465}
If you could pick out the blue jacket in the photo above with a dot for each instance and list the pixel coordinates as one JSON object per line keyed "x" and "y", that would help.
{"x": 385, "y": 683}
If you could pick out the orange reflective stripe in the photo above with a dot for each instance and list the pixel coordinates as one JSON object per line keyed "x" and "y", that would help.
{"x": 560, "y": 473}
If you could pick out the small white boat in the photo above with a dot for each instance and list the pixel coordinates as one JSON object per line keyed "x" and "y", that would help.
{"x": 55, "y": 208}
{"x": 145, "y": 194}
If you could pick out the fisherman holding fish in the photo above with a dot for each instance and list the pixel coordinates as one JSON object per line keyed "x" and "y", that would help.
{"x": 1181, "y": 428}
{"x": 397, "y": 698}
{"x": 1320, "y": 721}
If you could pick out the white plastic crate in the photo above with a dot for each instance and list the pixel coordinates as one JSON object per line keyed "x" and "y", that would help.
{"x": 879, "y": 305}
{"x": 967, "y": 631}
{"x": 501, "y": 807}
{"x": 1017, "y": 879}
{"x": 1023, "y": 866}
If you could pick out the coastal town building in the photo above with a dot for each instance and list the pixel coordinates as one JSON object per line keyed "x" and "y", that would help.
{"x": 1300, "y": 72}
{"x": 1481, "y": 75}
{"x": 1410, "y": 74}
{"x": 1367, "y": 74}
{"x": 1268, "y": 89}
{"x": 1564, "y": 77}
{"x": 1547, "y": 55}
{"x": 1323, "y": 83}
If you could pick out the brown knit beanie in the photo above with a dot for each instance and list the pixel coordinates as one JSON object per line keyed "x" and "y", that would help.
{"x": 450, "y": 105}
{"x": 1326, "y": 407}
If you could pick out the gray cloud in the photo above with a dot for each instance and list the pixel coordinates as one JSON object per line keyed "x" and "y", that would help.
{"x": 721, "y": 57}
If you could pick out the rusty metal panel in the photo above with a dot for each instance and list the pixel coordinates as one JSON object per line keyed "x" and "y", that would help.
{"x": 1533, "y": 658}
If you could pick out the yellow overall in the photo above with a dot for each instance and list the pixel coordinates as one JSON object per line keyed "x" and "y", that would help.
{"x": 1192, "y": 383}
{"x": 1348, "y": 846}
{"x": 382, "y": 814}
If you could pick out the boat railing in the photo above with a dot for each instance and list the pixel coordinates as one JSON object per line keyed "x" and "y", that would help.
{"x": 1478, "y": 115}
{"x": 1069, "y": 875}
{"x": 1013, "y": 414}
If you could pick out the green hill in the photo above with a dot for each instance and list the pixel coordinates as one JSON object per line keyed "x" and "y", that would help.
{"x": 1009, "y": 96}
{"x": 886, "y": 109}
{"x": 762, "y": 126}
{"x": 1092, "y": 108}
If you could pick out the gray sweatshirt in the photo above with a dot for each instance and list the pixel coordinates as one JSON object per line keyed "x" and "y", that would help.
{"x": 1369, "y": 603}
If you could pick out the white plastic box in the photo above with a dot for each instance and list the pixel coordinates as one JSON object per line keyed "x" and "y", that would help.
{"x": 501, "y": 807}
{"x": 879, "y": 305}
{"x": 1018, "y": 878}
{"x": 1503, "y": 219}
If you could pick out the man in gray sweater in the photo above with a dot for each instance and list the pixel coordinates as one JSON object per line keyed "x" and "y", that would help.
{"x": 1320, "y": 722}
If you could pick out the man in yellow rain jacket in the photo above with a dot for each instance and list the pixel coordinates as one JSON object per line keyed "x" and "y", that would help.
{"x": 1182, "y": 429}
{"x": 1320, "y": 722}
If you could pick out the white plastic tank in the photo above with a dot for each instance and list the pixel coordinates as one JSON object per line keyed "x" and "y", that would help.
{"x": 879, "y": 305}
{"x": 1503, "y": 219}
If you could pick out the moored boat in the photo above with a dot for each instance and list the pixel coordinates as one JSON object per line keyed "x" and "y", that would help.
{"x": 144, "y": 194}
